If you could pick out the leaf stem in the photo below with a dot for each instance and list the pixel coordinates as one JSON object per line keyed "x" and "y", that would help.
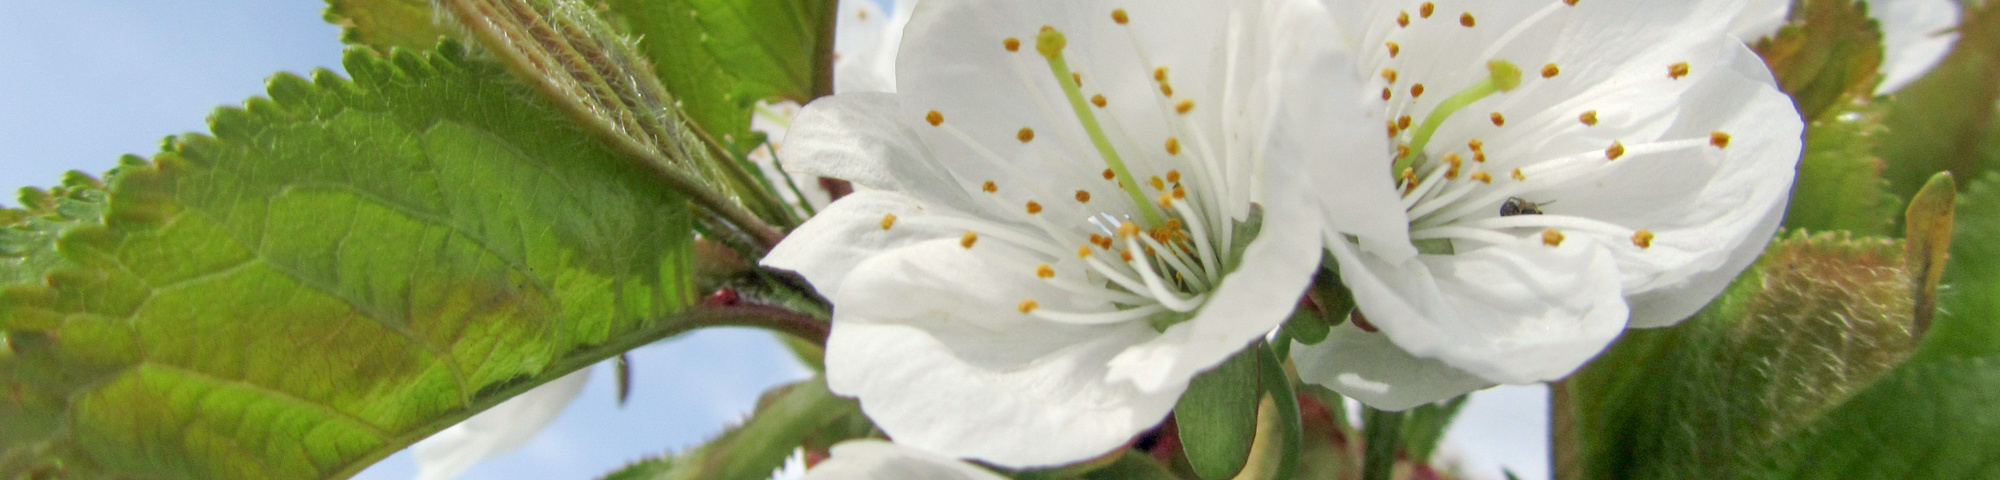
{"x": 1384, "y": 437}
{"x": 1563, "y": 441}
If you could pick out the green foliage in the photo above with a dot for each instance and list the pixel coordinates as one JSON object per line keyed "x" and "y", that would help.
{"x": 1217, "y": 417}
{"x": 722, "y": 56}
{"x": 804, "y": 413}
{"x": 341, "y": 270}
{"x": 1423, "y": 427}
{"x": 1816, "y": 319}
{"x": 385, "y": 24}
{"x": 1829, "y": 57}
{"x": 1840, "y": 184}
{"x": 772, "y": 46}
{"x": 1928, "y": 421}
{"x": 1969, "y": 314}
{"x": 1945, "y": 121}
{"x": 28, "y": 241}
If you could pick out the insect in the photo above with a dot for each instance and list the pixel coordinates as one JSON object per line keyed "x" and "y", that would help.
{"x": 1518, "y": 206}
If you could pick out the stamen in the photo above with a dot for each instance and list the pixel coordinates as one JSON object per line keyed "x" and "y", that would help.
{"x": 1045, "y": 271}
{"x": 1012, "y": 44}
{"x": 1502, "y": 76}
{"x": 1109, "y": 175}
{"x": 1025, "y": 135}
{"x": 1466, "y": 19}
{"x": 1099, "y": 318}
{"x": 1157, "y": 183}
{"x": 1173, "y": 147}
{"x": 1083, "y": 251}
{"x": 1403, "y": 19}
{"x": 1389, "y": 74}
{"x": 1616, "y": 150}
{"x": 1552, "y": 237}
{"x": 1588, "y": 118}
{"x": 1082, "y": 196}
{"x": 1482, "y": 177}
{"x": 968, "y": 239}
{"x": 1120, "y": 16}
{"x": 1050, "y": 43}
{"x": 1403, "y": 122}
{"x": 934, "y": 117}
{"x": 1417, "y": 90}
{"x": 1029, "y": 306}
{"x": 888, "y": 220}
{"x": 1394, "y": 49}
{"x": 1550, "y": 71}
{"x": 1098, "y": 100}
{"x": 1498, "y": 119}
{"x": 1643, "y": 238}
{"x": 1678, "y": 70}
{"x": 1174, "y": 176}
{"x": 1184, "y": 106}
{"x": 1718, "y": 139}
{"x": 1518, "y": 176}
{"x": 1034, "y": 208}
{"x": 1386, "y": 93}
{"x": 1426, "y": 9}
{"x": 1077, "y": 77}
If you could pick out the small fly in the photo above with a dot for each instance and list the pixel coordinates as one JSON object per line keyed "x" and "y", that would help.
{"x": 1518, "y": 206}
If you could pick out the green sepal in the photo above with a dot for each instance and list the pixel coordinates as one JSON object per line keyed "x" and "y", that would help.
{"x": 1217, "y": 417}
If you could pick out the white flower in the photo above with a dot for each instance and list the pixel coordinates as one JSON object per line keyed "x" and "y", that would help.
{"x": 1588, "y": 162}
{"x": 497, "y": 430}
{"x": 794, "y": 467}
{"x": 1038, "y": 268}
{"x": 879, "y": 460}
{"x": 864, "y": 60}
{"x": 1916, "y": 34}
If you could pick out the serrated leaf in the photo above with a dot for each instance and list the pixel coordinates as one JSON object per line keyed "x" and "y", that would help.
{"x": 1423, "y": 427}
{"x": 1217, "y": 416}
{"x": 773, "y": 46}
{"x": 1840, "y": 184}
{"x": 341, "y": 270}
{"x": 386, "y": 24}
{"x": 670, "y": 35}
{"x": 1968, "y": 322}
{"x": 1927, "y": 239}
{"x": 1927, "y": 421}
{"x": 1829, "y": 57}
{"x": 1814, "y": 320}
{"x": 1944, "y": 121}
{"x": 786, "y": 418}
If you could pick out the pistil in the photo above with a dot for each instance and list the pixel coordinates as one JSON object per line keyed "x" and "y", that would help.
{"x": 1050, "y": 42}
{"x": 1502, "y": 76}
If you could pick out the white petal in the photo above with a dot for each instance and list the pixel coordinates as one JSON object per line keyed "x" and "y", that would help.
{"x": 1760, "y": 18}
{"x": 879, "y": 460}
{"x": 929, "y": 338}
{"x": 857, "y": 137}
{"x": 497, "y": 430}
{"x": 1916, "y": 35}
{"x": 1368, "y": 367}
{"x": 826, "y": 249}
{"x": 865, "y": 42}
{"x": 1518, "y": 313}
{"x": 1668, "y": 306}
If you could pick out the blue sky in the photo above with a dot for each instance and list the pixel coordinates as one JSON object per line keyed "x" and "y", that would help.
{"x": 84, "y": 81}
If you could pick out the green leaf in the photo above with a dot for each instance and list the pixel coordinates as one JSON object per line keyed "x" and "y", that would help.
{"x": 1944, "y": 121}
{"x": 1968, "y": 322}
{"x": 1814, "y": 320}
{"x": 1840, "y": 184}
{"x": 1423, "y": 427}
{"x": 1133, "y": 465}
{"x": 386, "y": 24}
{"x": 28, "y": 241}
{"x": 1927, "y": 421}
{"x": 1830, "y": 57}
{"x": 1217, "y": 416}
{"x": 1384, "y": 432}
{"x": 786, "y": 418}
{"x": 771, "y": 46}
{"x": 1927, "y": 240}
{"x": 341, "y": 270}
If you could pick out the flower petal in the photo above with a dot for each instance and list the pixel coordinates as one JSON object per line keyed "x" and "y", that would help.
{"x": 850, "y": 231}
{"x": 1759, "y": 19}
{"x": 1667, "y": 306}
{"x": 857, "y": 137}
{"x": 1916, "y": 35}
{"x": 1517, "y": 313}
{"x": 879, "y": 460}
{"x": 930, "y": 339}
{"x": 497, "y": 430}
{"x": 1368, "y": 367}
{"x": 864, "y": 46}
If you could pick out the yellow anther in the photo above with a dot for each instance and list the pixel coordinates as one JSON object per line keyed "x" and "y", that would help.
{"x": 1475, "y": 145}
{"x": 1128, "y": 229}
{"x": 1678, "y": 70}
{"x": 1174, "y": 176}
{"x": 1029, "y": 306}
{"x": 1082, "y": 196}
{"x": 1045, "y": 271}
{"x": 1454, "y": 161}
{"x": 1125, "y": 255}
{"x": 1417, "y": 90}
{"x": 1386, "y": 93}
{"x": 1394, "y": 49}
{"x": 1482, "y": 177}
{"x": 1498, "y": 119}
{"x": 1100, "y": 241}
{"x": 1184, "y": 106}
{"x": 1409, "y": 176}
{"x": 934, "y": 117}
{"x": 1570, "y": 2}
{"x": 968, "y": 239}
{"x": 1025, "y": 135}
{"x": 1050, "y": 41}
{"x": 1403, "y": 19}
{"x": 1083, "y": 251}
{"x": 1076, "y": 77}
{"x": 1550, "y": 71}
{"x": 1426, "y": 9}
{"x": 1166, "y": 89}
{"x": 1403, "y": 122}
{"x": 1108, "y": 174}
{"x": 1616, "y": 150}
{"x": 1718, "y": 139}
{"x": 1402, "y": 151}
{"x": 888, "y": 220}
{"x": 1160, "y": 74}
{"x": 1034, "y": 208}
{"x": 1173, "y": 146}
{"x": 1518, "y": 176}
{"x": 1098, "y": 100}
{"x": 1157, "y": 183}
{"x": 1643, "y": 238}
{"x": 1389, "y": 74}
{"x": 990, "y": 187}
{"x": 1588, "y": 118}
{"x": 1120, "y": 16}
{"x": 1180, "y": 192}
{"x": 1166, "y": 200}
{"x": 1012, "y": 44}
{"x": 1552, "y": 237}
{"x": 1466, "y": 19}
